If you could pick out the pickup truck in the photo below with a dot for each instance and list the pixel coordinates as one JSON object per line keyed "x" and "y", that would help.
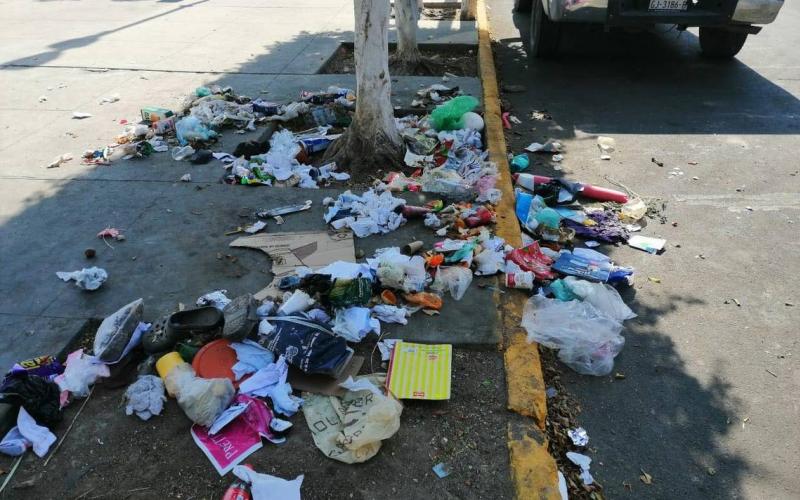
{"x": 724, "y": 24}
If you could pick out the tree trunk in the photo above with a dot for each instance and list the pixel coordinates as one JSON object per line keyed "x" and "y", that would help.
{"x": 468, "y": 10}
{"x": 406, "y": 13}
{"x": 372, "y": 140}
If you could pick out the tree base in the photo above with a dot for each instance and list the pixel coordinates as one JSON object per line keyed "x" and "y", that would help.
{"x": 364, "y": 158}
{"x": 415, "y": 66}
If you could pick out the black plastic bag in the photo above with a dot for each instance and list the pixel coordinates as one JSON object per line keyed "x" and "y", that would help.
{"x": 37, "y": 395}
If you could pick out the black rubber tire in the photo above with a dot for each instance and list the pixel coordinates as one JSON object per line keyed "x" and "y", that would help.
{"x": 545, "y": 35}
{"x": 522, "y": 5}
{"x": 720, "y": 42}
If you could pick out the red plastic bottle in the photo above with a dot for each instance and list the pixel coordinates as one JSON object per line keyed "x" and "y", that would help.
{"x": 238, "y": 490}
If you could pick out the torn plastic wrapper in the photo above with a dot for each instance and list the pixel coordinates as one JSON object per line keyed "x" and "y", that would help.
{"x": 284, "y": 210}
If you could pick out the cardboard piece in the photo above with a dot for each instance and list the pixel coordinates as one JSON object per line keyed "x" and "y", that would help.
{"x": 320, "y": 384}
{"x": 312, "y": 249}
{"x": 420, "y": 371}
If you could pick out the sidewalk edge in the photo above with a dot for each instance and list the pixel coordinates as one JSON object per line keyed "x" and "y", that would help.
{"x": 533, "y": 470}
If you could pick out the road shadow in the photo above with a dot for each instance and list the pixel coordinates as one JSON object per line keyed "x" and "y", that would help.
{"x": 659, "y": 418}
{"x": 652, "y": 82}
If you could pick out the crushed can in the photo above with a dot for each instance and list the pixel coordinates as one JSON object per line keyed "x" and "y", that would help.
{"x": 522, "y": 280}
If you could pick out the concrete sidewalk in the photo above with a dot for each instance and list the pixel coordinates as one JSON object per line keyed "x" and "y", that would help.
{"x": 152, "y": 53}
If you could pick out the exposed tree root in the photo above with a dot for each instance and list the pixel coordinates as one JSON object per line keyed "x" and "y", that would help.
{"x": 365, "y": 156}
{"x": 419, "y": 66}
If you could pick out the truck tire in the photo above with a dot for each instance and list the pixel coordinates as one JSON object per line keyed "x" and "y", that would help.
{"x": 545, "y": 34}
{"x": 720, "y": 42}
{"x": 522, "y": 5}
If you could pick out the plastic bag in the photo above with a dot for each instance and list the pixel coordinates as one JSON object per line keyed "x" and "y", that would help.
{"x": 191, "y": 129}
{"x": 203, "y": 400}
{"x": 456, "y": 279}
{"x": 267, "y": 487}
{"x": 115, "y": 331}
{"x": 350, "y": 429}
{"x": 587, "y": 341}
{"x": 39, "y": 396}
{"x": 281, "y": 155}
{"x": 603, "y": 297}
{"x": 89, "y": 279}
{"x": 82, "y": 371}
{"x": 399, "y": 271}
{"x": 448, "y": 116}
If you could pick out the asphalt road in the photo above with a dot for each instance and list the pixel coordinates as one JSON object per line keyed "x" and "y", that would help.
{"x": 708, "y": 405}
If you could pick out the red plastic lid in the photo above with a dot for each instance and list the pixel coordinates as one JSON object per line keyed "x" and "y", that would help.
{"x": 215, "y": 360}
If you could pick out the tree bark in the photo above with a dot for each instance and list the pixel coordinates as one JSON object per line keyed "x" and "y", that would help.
{"x": 468, "y": 10}
{"x": 372, "y": 140}
{"x": 406, "y": 13}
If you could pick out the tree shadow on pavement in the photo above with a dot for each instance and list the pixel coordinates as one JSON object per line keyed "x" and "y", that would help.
{"x": 176, "y": 249}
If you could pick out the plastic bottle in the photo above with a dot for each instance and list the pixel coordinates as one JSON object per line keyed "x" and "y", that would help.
{"x": 238, "y": 490}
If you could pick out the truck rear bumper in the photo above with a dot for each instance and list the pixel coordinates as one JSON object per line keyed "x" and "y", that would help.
{"x": 620, "y": 13}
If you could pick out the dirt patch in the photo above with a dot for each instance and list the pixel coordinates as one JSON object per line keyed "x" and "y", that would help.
{"x": 110, "y": 455}
{"x": 440, "y": 14}
{"x": 455, "y": 60}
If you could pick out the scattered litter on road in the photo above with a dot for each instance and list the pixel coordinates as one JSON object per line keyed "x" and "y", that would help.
{"x": 109, "y": 99}
{"x": 59, "y": 161}
{"x": 649, "y": 245}
{"x": 87, "y": 278}
{"x": 548, "y": 147}
{"x": 584, "y": 463}
{"x": 267, "y": 487}
{"x": 442, "y": 470}
{"x": 578, "y": 436}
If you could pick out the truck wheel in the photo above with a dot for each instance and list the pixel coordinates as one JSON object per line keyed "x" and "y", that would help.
{"x": 522, "y": 5}
{"x": 721, "y": 43}
{"x": 545, "y": 34}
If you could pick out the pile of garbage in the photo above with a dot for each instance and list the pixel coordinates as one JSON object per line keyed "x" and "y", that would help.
{"x": 281, "y": 156}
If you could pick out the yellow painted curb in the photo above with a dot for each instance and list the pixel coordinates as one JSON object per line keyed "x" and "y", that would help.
{"x": 533, "y": 470}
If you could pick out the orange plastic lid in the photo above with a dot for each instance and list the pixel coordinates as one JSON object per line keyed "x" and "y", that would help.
{"x": 215, "y": 360}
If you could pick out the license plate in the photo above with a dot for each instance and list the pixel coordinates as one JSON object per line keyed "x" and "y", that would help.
{"x": 669, "y": 4}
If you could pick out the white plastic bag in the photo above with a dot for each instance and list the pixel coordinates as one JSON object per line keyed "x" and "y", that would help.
{"x": 81, "y": 371}
{"x": 203, "y": 400}
{"x": 456, "y": 279}
{"x": 266, "y": 487}
{"x": 604, "y": 298}
{"x": 587, "y": 340}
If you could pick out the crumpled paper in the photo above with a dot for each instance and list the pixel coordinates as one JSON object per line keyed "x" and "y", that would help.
{"x": 370, "y": 213}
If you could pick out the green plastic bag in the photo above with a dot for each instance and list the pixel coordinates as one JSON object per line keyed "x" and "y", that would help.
{"x": 448, "y": 116}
